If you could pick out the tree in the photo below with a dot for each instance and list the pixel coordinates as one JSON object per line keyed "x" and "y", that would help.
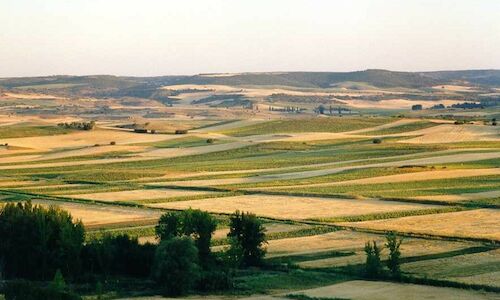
{"x": 200, "y": 225}
{"x": 37, "y": 241}
{"x": 118, "y": 255}
{"x": 194, "y": 223}
{"x": 373, "y": 265}
{"x": 247, "y": 238}
{"x": 175, "y": 266}
{"x": 393, "y": 262}
{"x": 168, "y": 226}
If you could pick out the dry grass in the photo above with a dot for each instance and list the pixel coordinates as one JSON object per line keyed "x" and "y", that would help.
{"x": 480, "y": 223}
{"x": 288, "y": 207}
{"x": 461, "y": 197}
{"x": 478, "y": 268}
{"x": 138, "y": 194}
{"x": 377, "y": 290}
{"x": 352, "y": 241}
{"x": 85, "y": 138}
{"x": 449, "y": 133}
{"x": 101, "y": 215}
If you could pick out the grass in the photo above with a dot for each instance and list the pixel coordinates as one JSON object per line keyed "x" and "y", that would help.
{"x": 270, "y": 282}
{"x": 18, "y": 131}
{"x": 341, "y": 176}
{"x": 402, "y": 128}
{"x": 326, "y": 124}
{"x": 406, "y": 189}
{"x": 184, "y": 142}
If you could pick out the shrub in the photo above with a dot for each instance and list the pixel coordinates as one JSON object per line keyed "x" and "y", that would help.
{"x": 210, "y": 141}
{"x": 377, "y": 141}
{"x": 175, "y": 267}
{"x": 373, "y": 264}
{"x": 181, "y": 131}
{"x": 25, "y": 290}
{"x": 112, "y": 143}
{"x": 214, "y": 280}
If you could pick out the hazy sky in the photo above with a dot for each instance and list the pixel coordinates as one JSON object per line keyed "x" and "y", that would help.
{"x": 160, "y": 37}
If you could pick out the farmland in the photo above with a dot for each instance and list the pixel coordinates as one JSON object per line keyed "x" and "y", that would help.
{"x": 322, "y": 184}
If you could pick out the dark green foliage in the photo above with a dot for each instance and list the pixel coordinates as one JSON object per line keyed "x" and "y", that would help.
{"x": 118, "y": 255}
{"x": 215, "y": 279}
{"x": 193, "y": 223}
{"x": 168, "y": 226}
{"x": 393, "y": 261}
{"x": 175, "y": 267}
{"x": 247, "y": 238}
{"x": 78, "y": 125}
{"x": 37, "y": 241}
{"x": 25, "y": 290}
{"x": 377, "y": 141}
{"x": 373, "y": 264}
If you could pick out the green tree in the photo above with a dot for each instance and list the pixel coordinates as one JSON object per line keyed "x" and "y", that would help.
{"x": 373, "y": 264}
{"x": 37, "y": 241}
{"x": 393, "y": 262}
{"x": 247, "y": 238}
{"x": 194, "y": 223}
{"x": 175, "y": 266}
{"x": 169, "y": 226}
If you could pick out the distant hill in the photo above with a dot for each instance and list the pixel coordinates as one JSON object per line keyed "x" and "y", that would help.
{"x": 378, "y": 78}
{"x": 120, "y": 86}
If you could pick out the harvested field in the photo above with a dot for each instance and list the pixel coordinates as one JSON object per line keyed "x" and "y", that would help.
{"x": 85, "y": 138}
{"x": 421, "y": 176}
{"x": 479, "y": 223}
{"x": 461, "y": 197}
{"x": 478, "y": 268}
{"x": 352, "y": 241}
{"x": 450, "y": 133}
{"x": 101, "y": 215}
{"x": 138, "y": 194}
{"x": 378, "y": 290}
{"x": 289, "y": 207}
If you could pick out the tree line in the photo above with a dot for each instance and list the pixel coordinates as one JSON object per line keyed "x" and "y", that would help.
{"x": 40, "y": 244}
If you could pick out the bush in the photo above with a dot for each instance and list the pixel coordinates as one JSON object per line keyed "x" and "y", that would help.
{"x": 181, "y": 131}
{"x": 210, "y": 141}
{"x": 373, "y": 264}
{"x": 214, "y": 280}
{"x": 25, "y": 290}
{"x": 112, "y": 143}
{"x": 377, "y": 141}
{"x": 175, "y": 267}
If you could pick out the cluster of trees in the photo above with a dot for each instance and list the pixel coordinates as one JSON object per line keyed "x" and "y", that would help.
{"x": 331, "y": 110}
{"x": 39, "y": 242}
{"x": 78, "y": 125}
{"x": 374, "y": 266}
{"x": 185, "y": 239}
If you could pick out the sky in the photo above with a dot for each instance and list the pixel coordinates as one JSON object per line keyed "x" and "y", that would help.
{"x": 183, "y": 37}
